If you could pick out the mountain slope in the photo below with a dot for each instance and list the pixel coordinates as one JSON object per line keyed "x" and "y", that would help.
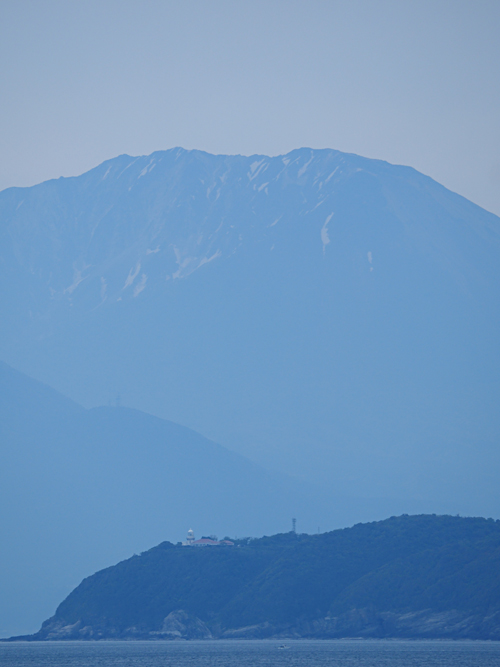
{"x": 418, "y": 576}
{"x": 327, "y": 315}
{"x": 80, "y": 488}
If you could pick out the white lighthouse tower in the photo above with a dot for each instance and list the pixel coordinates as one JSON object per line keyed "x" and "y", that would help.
{"x": 189, "y": 539}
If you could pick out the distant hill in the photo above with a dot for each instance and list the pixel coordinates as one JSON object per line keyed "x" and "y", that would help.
{"x": 82, "y": 488}
{"x": 326, "y": 315}
{"x": 410, "y": 576}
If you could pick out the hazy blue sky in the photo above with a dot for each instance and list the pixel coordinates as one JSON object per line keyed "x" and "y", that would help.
{"x": 412, "y": 82}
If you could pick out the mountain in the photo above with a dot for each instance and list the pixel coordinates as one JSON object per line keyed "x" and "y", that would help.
{"x": 324, "y": 314}
{"x": 327, "y": 316}
{"x": 81, "y": 488}
{"x": 410, "y": 576}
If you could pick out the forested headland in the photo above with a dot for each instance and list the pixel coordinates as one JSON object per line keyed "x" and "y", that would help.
{"x": 420, "y": 576}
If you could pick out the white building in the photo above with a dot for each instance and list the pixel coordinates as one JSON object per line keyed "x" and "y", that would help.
{"x": 189, "y": 539}
{"x": 205, "y": 541}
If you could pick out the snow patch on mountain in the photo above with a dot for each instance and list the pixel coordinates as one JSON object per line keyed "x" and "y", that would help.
{"x": 77, "y": 279}
{"x": 141, "y": 285}
{"x": 206, "y": 260}
{"x": 127, "y": 167}
{"x": 147, "y": 169}
{"x": 133, "y": 273}
{"x": 303, "y": 169}
{"x": 255, "y": 168}
{"x": 325, "y": 239}
{"x": 332, "y": 174}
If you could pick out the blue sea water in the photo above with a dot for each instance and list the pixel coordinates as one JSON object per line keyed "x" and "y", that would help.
{"x": 235, "y": 653}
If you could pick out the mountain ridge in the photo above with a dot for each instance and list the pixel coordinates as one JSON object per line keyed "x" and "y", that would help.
{"x": 333, "y": 158}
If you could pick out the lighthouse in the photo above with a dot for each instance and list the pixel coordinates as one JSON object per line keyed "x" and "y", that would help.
{"x": 189, "y": 539}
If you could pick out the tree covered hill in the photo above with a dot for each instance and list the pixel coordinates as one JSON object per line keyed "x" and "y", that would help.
{"x": 414, "y": 576}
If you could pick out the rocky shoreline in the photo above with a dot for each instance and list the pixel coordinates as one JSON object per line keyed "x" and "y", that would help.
{"x": 358, "y": 623}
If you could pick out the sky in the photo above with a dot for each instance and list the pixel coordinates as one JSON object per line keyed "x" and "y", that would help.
{"x": 411, "y": 82}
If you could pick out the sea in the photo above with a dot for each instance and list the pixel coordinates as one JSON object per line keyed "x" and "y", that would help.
{"x": 240, "y": 653}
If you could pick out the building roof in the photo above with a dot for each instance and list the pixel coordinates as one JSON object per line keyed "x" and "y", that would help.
{"x": 207, "y": 542}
